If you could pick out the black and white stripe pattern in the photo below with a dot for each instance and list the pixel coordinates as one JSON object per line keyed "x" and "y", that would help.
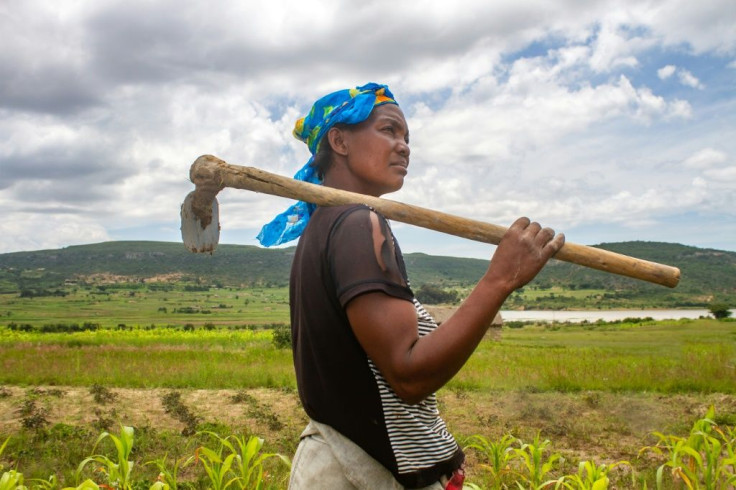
{"x": 419, "y": 437}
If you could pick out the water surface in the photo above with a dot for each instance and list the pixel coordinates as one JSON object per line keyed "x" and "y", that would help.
{"x": 606, "y": 315}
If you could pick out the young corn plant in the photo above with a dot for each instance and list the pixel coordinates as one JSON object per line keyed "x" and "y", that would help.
{"x": 87, "y": 484}
{"x": 52, "y": 483}
{"x": 496, "y": 457}
{"x": 677, "y": 454}
{"x": 11, "y": 479}
{"x": 590, "y": 476}
{"x": 249, "y": 461}
{"x": 705, "y": 459}
{"x": 536, "y": 465}
{"x": 242, "y": 467}
{"x": 168, "y": 479}
{"x": 118, "y": 471}
{"x": 727, "y": 468}
{"x": 716, "y": 447}
{"x": 708, "y": 448}
{"x": 216, "y": 464}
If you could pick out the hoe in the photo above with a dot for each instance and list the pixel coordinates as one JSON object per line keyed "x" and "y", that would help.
{"x": 200, "y": 227}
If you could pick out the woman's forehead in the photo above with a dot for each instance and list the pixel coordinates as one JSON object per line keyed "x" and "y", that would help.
{"x": 389, "y": 111}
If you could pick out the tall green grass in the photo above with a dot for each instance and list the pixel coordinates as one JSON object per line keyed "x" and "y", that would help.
{"x": 667, "y": 357}
{"x": 145, "y": 359}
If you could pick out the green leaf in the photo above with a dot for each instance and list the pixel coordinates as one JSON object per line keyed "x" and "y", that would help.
{"x": 600, "y": 484}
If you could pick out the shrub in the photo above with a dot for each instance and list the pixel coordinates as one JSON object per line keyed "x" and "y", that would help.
{"x": 102, "y": 395}
{"x": 175, "y": 407}
{"x": 434, "y": 295}
{"x": 32, "y": 416}
{"x": 282, "y": 336}
{"x": 720, "y": 311}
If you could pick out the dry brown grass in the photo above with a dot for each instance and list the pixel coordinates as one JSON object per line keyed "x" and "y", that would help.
{"x": 591, "y": 425}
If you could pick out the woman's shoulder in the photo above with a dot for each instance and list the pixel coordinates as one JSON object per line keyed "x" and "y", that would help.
{"x": 340, "y": 213}
{"x": 350, "y": 222}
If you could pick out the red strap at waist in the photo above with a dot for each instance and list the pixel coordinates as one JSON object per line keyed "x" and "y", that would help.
{"x": 456, "y": 480}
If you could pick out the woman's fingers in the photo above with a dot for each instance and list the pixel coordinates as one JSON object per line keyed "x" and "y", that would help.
{"x": 556, "y": 242}
{"x": 541, "y": 236}
{"x": 524, "y": 250}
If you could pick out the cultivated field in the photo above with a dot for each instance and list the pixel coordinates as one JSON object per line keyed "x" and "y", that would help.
{"x": 172, "y": 363}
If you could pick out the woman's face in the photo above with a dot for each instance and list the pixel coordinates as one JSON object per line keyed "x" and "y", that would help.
{"x": 377, "y": 152}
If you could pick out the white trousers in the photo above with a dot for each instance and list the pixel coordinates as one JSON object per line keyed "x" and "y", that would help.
{"x": 327, "y": 460}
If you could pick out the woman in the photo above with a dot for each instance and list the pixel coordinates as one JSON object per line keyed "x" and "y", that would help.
{"x": 368, "y": 357}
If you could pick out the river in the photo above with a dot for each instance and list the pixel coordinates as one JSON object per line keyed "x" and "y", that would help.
{"x": 606, "y": 315}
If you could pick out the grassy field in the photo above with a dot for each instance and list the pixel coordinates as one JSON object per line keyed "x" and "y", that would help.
{"x": 666, "y": 357}
{"x": 597, "y": 391}
{"x": 140, "y": 305}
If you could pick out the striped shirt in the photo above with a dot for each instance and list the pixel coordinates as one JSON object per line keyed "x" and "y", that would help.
{"x": 418, "y": 434}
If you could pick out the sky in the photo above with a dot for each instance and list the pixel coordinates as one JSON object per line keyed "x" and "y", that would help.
{"x": 607, "y": 120}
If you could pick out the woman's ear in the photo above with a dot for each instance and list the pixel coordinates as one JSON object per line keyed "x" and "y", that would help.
{"x": 336, "y": 138}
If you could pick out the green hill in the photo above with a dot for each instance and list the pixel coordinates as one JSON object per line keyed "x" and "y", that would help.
{"x": 229, "y": 265}
{"x": 707, "y": 275}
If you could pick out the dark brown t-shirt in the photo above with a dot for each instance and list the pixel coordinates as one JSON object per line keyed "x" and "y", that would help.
{"x": 346, "y": 251}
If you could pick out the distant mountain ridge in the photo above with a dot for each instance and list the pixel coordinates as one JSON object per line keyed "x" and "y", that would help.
{"x": 706, "y": 273}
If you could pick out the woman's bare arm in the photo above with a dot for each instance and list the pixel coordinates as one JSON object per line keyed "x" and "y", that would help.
{"x": 416, "y": 367}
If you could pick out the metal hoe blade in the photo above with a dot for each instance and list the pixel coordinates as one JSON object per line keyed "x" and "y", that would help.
{"x": 197, "y": 236}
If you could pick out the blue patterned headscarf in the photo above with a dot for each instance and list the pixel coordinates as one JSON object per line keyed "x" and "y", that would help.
{"x": 349, "y": 106}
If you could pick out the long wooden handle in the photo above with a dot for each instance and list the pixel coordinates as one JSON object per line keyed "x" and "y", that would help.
{"x": 210, "y": 174}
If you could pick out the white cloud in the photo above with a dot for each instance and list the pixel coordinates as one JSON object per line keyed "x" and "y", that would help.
{"x": 684, "y": 76}
{"x": 614, "y": 47}
{"x": 680, "y": 109}
{"x": 701, "y": 27}
{"x": 37, "y": 231}
{"x": 725, "y": 175}
{"x": 687, "y": 78}
{"x": 666, "y": 71}
{"x": 706, "y": 158}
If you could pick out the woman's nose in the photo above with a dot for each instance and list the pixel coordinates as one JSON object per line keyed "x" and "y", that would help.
{"x": 404, "y": 149}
